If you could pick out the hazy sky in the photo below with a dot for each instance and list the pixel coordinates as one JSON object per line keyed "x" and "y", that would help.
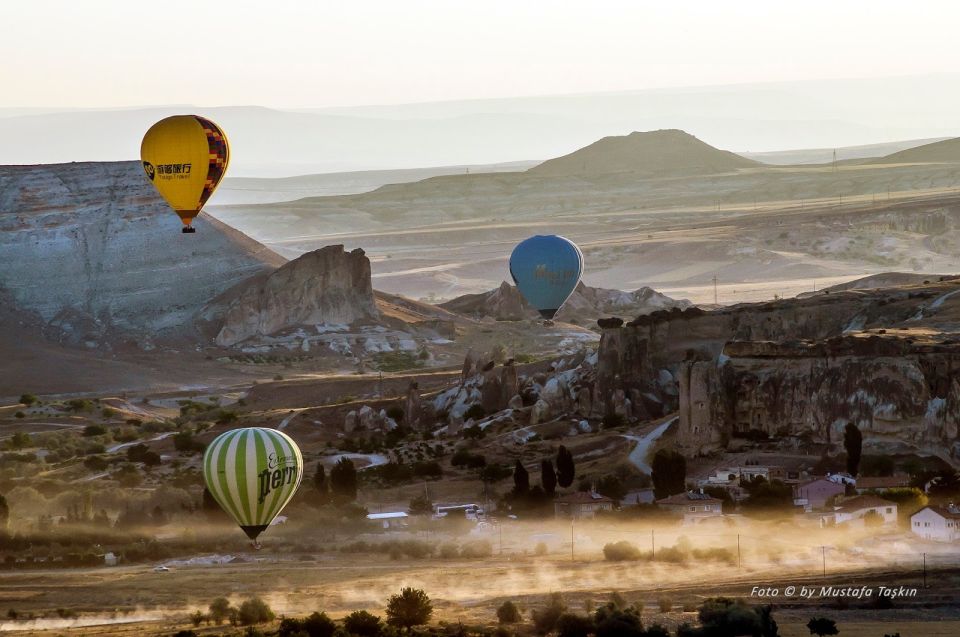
{"x": 70, "y": 53}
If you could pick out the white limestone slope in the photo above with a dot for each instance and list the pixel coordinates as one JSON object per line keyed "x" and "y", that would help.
{"x": 91, "y": 249}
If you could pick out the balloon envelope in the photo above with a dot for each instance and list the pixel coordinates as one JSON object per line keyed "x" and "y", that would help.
{"x": 546, "y": 270}
{"x": 252, "y": 473}
{"x": 185, "y": 157}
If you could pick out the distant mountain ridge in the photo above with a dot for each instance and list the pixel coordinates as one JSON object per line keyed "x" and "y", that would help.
{"x": 946, "y": 151}
{"x": 661, "y": 152}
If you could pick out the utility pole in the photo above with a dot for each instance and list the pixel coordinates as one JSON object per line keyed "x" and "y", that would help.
{"x": 924, "y": 570}
{"x": 653, "y": 546}
{"x": 823, "y": 549}
{"x": 739, "y": 562}
{"x": 571, "y": 539}
{"x": 715, "y": 290}
{"x": 834, "y": 160}
{"x": 500, "y": 528}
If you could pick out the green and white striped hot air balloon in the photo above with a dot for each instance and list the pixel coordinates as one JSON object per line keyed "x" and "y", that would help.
{"x": 252, "y": 473}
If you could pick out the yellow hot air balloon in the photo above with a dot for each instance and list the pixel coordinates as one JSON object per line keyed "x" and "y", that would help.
{"x": 185, "y": 157}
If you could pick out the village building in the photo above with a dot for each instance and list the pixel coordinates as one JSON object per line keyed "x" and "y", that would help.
{"x": 815, "y": 493}
{"x": 853, "y": 511}
{"x": 389, "y": 520}
{"x": 935, "y": 522}
{"x": 581, "y": 505}
{"x": 882, "y": 483}
{"x": 693, "y": 506}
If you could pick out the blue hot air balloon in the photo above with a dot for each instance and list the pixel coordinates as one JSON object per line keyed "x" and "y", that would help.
{"x": 546, "y": 270}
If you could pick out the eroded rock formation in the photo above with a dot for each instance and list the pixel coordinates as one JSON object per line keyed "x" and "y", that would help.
{"x": 901, "y": 395}
{"x": 326, "y": 286}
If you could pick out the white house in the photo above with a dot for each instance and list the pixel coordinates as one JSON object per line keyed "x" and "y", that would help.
{"x": 110, "y": 559}
{"x": 852, "y": 511}
{"x": 936, "y": 522}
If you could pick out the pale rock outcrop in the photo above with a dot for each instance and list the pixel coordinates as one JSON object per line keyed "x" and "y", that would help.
{"x": 326, "y": 286}
{"x": 93, "y": 250}
{"x": 412, "y": 405}
{"x": 540, "y": 412}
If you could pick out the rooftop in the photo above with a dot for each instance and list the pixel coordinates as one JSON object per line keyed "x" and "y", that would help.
{"x": 883, "y": 482}
{"x": 950, "y": 512}
{"x": 386, "y": 516}
{"x": 583, "y": 497}
{"x": 688, "y": 497}
{"x": 861, "y": 502}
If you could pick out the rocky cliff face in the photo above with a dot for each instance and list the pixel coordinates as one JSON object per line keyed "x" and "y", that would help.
{"x": 881, "y": 359}
{"x": 903, "y": 396}
{"x": 96, "y": 254}
{"x": 325, "y": 287}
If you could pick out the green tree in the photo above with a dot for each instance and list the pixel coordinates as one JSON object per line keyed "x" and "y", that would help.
{"x": 27, "y": 399}
{"x": 566, "y": 470}
{"x": 613, "y": 620}
{"x": 521, "y": 479}
{"x": 19, "y": 440}
{"x": 343, "y": 479}
{"x": 420, "y": 505}
{"x": 545, "y": 619}
{"x": 548, "y": 477}
{"x": 669, "y": 473}
{"x": 363, "y": 624}
{"x": 254, "y": 611}
{"x": 219, "y": 610}
{"x": 508, "y": 613}
{"x": 822, "y": 626}
{"x": 410, "y": 607}
{"x": 571, "y": 625}
{"x": 4, "y": 512}
{"x": 853, "y": 443}
{"x": 610, "y": 486}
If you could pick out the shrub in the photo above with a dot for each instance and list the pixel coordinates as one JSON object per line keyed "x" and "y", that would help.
{"x": 94, "y": 430}
{"x": 570, "y": 625}
{"x": 541, "y": 549}
{"x": 410, "y": 607}
{"x": 78, "y": 404}
{"x": 95, "y": 463}
{"x": 666, "y": 604}
{"x": 108, "y": 412}
{"x": 27, "y": 399}
{"x": 254, "y": 611}
{"x": 463, "y": 458}
{"x": 219, "y": 609}
{"x": 495, "y": 472}
{"x": 616, "y": 619}
{"x": 478, "y": 549}
{"x": 508, "y": 613}
{"x": 611, "y": 421}
{"x": 19, "y": 414}
{"x": 475, "y": 412}
{"x": 449, "y": 551}
{"x": 822, "y": 626}
{"x": 396, "y": 413}
{"x": 421, "y": 505}
{"x": 545, "y": 619}
{"x": 316, "y": 625}
{"x": 363, "y": 624}
{"x": 621, "y": 551}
